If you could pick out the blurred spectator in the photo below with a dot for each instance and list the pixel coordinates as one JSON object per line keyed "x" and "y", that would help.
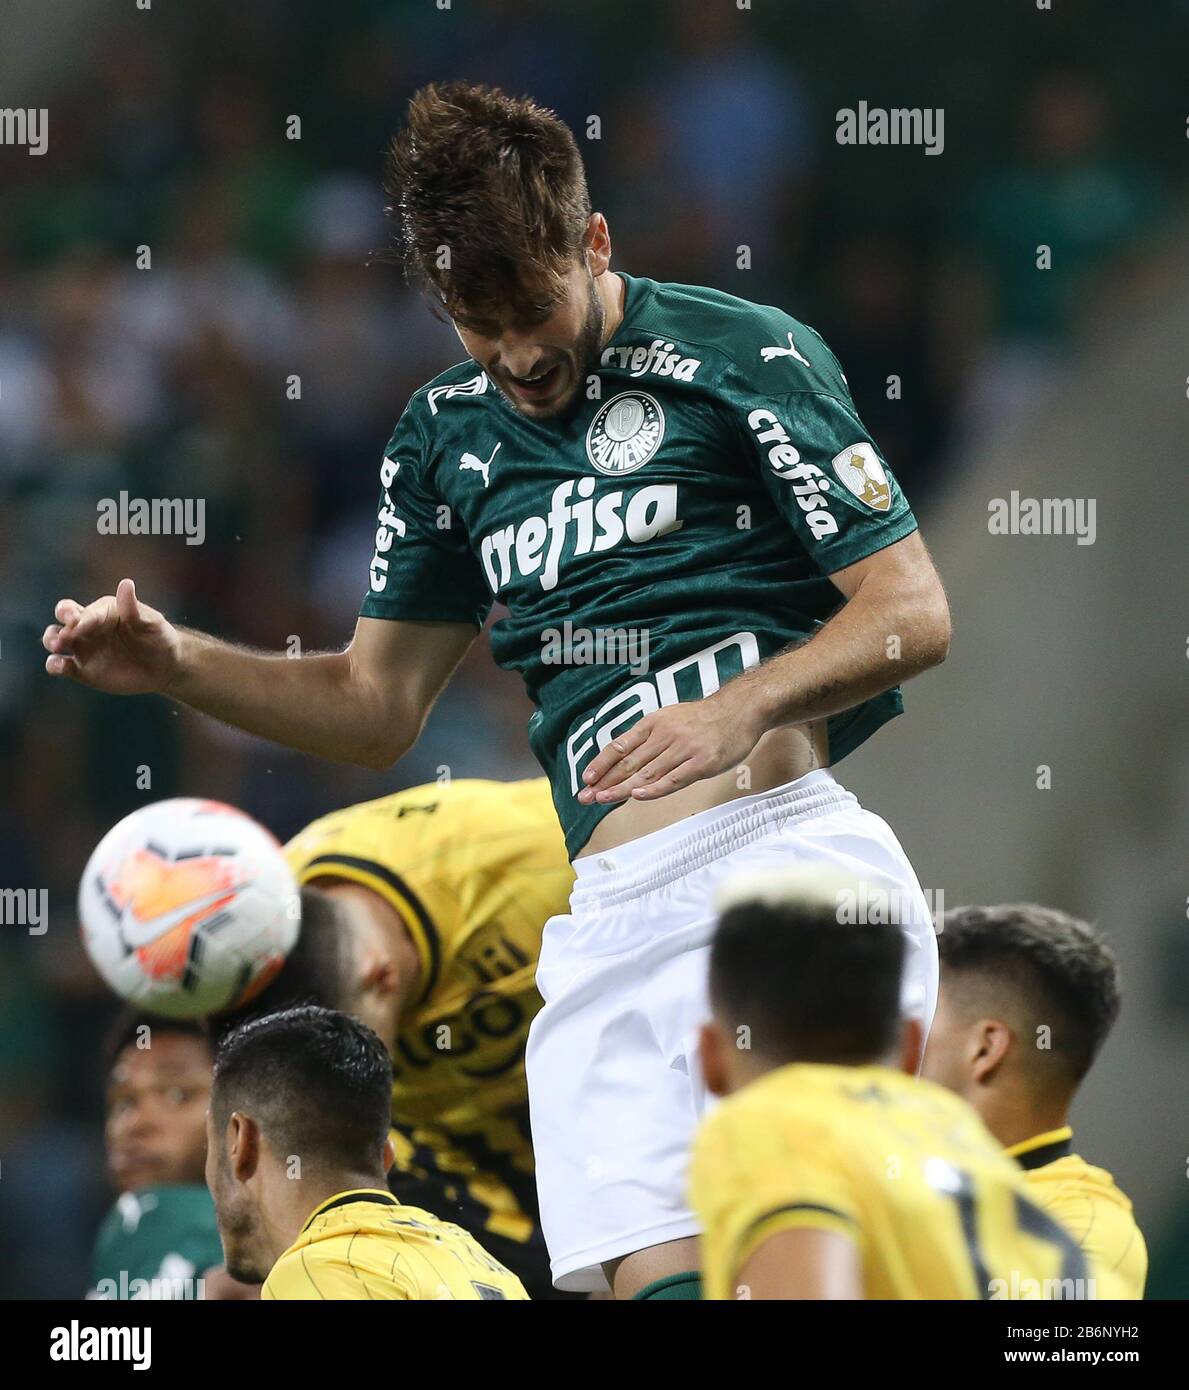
{"x": 738, "y": 144}
{"x": 1034, "y": 239}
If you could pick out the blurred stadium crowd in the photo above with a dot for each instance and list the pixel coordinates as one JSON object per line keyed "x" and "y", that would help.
{"x": 713, "y": 129}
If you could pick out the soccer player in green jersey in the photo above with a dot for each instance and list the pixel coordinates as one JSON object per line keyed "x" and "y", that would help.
{"x": 160, "y": 1236}
{"x": 714, "y": 587}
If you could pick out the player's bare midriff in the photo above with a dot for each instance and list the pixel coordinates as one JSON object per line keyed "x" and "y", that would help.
{"x": 782, "y": 755}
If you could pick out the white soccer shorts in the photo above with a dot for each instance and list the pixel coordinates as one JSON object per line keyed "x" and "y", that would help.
{"x": 614, "y": 1089}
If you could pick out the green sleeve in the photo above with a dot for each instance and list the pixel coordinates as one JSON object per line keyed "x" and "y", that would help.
{"x": 820, "y": 465}
{"x": 422, "y": 569}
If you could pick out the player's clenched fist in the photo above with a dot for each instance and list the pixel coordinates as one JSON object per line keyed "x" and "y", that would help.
{"x": 116, "y": 644}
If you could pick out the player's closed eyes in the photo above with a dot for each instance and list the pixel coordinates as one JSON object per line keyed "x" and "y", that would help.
{"x": 533, "y": 318}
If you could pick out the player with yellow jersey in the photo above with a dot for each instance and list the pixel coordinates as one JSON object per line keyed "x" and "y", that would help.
{"x": 314, "y": 1085}
{"x": 831, "y": 1170}
{"x": 1028, "y": 997}
{"x": 1087, "y": 1202}
{"x": 366, "y": 1244}
{"x": 422, "y": 915}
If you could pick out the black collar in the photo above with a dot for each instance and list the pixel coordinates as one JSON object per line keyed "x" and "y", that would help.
{"x": 346, "y": 1199}
{"x": 1047, "y": 1153}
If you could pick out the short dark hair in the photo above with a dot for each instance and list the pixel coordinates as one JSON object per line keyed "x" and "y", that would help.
{"x": 809, "y": 988}
{"x": 1055, "y": 967}
{"x": 499, "y": 182}
{"x": 314, "y": 972}
{"x": 318, "y": 1082}
{"x": 125, "y": 1032}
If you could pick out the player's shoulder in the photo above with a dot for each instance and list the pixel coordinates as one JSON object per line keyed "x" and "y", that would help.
{"x": 1072, "y": 1176}
{"x": 383, "y": 813}
{"x": 180, "y": 1207}
{"x": 338, "y": 1268}
{"x": 445, "y": 399}
{"x": 796, "y": 1097}
{"x": 1087, "y": 1201}
{"x": 167, "y": 1234}
{"x": 747, "y": 346}
{"x": 457, "y": 798}
{"x": 846, "y": 1104}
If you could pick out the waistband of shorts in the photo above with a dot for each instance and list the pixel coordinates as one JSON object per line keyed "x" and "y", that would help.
{"x": 643, "y": 865}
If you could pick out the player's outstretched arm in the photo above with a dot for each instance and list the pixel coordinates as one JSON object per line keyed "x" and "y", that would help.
{"x": 366, "y": 704}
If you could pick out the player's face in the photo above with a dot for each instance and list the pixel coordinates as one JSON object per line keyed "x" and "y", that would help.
{"x": 236, "y": 1212}
{"x": 539, "y": 359}
{"x": 945, "y": 1049}
{"x": 156, "y": 1101}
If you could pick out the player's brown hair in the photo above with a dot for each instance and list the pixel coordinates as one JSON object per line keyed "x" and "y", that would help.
{"x": 489, "y": 199}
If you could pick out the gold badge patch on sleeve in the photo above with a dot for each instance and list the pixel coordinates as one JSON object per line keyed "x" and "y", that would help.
{"x": 859, "y": 469}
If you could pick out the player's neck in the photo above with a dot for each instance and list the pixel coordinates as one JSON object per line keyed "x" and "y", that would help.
{"x": 295, "y": 1202}
{"x": 1018, "y": 1117}
{"x": 612, "y": 290}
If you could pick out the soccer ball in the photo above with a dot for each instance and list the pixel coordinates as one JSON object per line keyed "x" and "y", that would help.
{"x": 187, "y": 908}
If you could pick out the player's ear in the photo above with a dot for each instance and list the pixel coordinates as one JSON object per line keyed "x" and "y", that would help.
{"x": 715, "y": 1071}
{"x": 243, "y": 1145}
{"x": 388, "y": 1157}
{"x": 379, "y": 971}
{"x": 597, "y": 244}
{"x": 991, "y": 1040}
{"x": 912, "y": 1046}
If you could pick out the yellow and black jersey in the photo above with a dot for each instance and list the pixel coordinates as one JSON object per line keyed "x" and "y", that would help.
{"x": 366, "y": 1244}
{"x": 899, "y": 1166}
{"x": 1085, "y": 1200}
{"x": 475, "y": 869}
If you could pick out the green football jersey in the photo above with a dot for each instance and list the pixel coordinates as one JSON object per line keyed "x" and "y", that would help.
{"x": 156, "y": 1244}
{"x": 674, "y": 529}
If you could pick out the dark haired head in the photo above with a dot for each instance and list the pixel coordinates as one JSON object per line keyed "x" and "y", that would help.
{"x": 808, "y": 987}
{"x": 316, "y": 1082}
{"x": 1037, "y": 966}
{"x": 489, "y": 199}
{"x": 129, "y": 1028}
{"x": 316, "y": 971}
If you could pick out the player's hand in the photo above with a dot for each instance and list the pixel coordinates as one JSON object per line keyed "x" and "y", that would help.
{"x": 672, "y": 748}
{"x": 116, "y": 644}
